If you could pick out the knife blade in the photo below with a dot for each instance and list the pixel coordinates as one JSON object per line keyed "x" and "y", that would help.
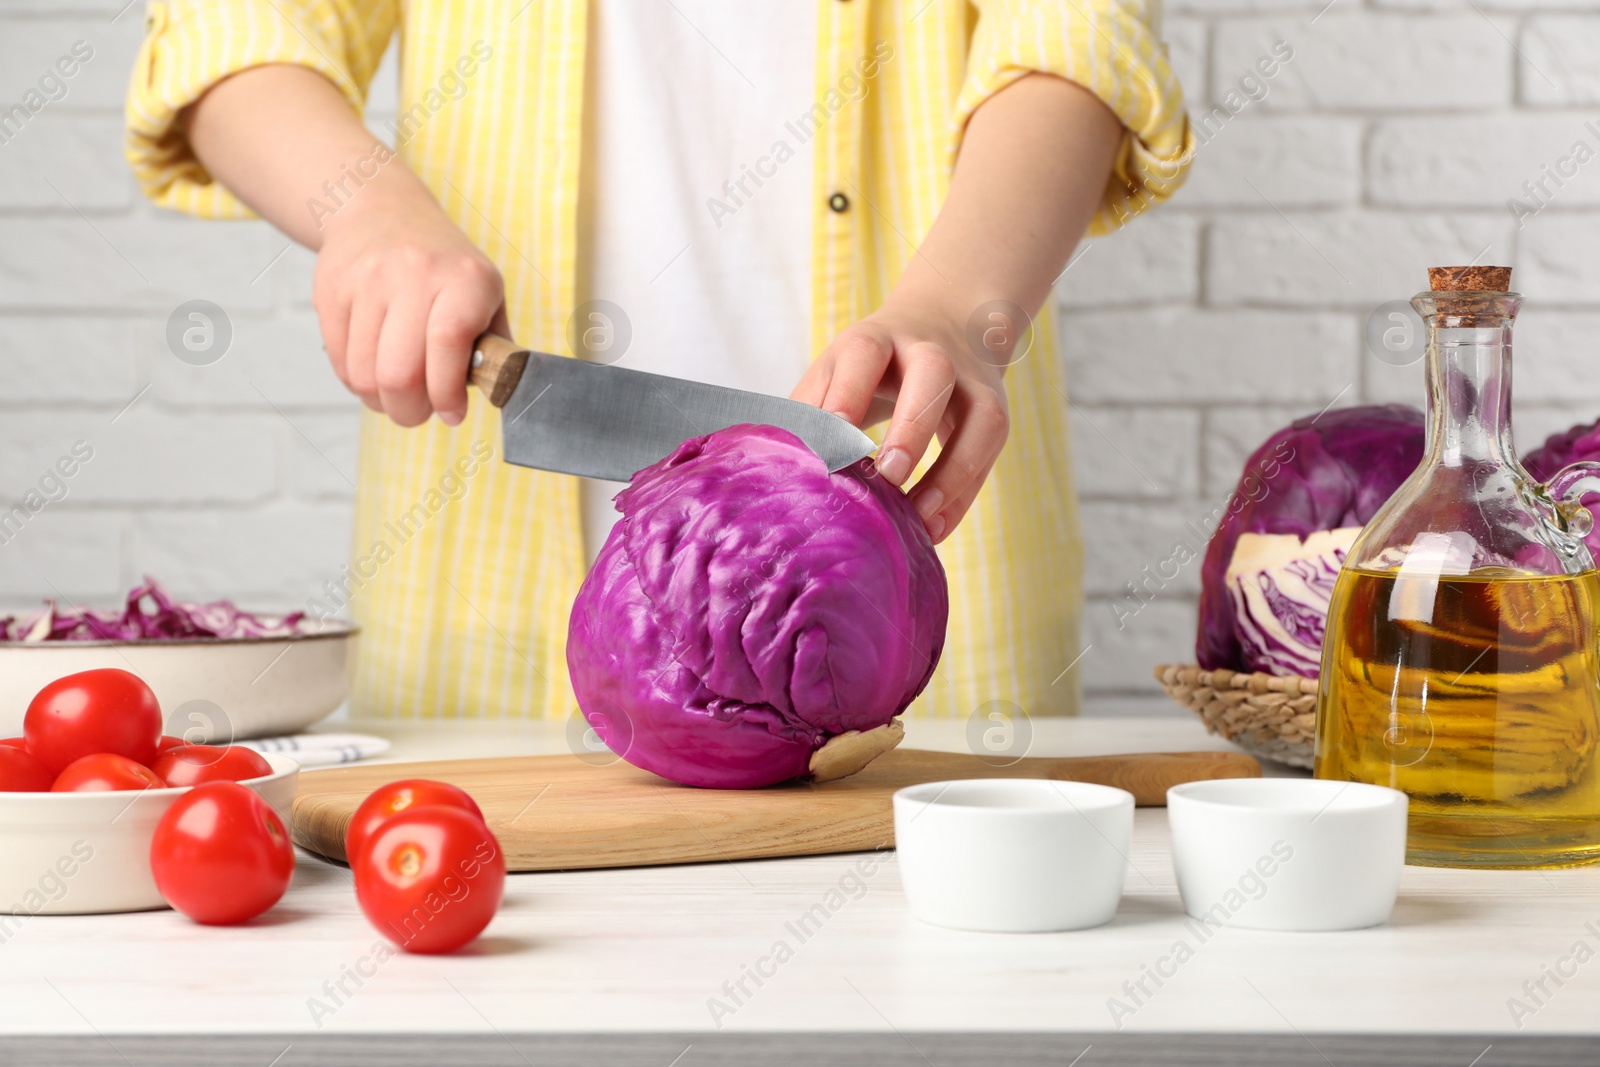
{"x": 596, "y": 421}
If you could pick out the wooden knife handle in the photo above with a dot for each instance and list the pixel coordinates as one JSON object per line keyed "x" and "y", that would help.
{"x": 1148, "y": 776}
{"x": 497, "y": 366}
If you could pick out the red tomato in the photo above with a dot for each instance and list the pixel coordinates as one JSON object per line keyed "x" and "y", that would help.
{"x": 221, "y": 855}
{"x": 14, "y": 742}
{"x": 105, "y": 772}
{"x": 401, "y": 796}
{"x": 21, "y": 773}
{"x": 105, "y": 710}
{"x": 193, "y": 764}
{"x": 168, "y": 741}
{"x": 430, "y": 879}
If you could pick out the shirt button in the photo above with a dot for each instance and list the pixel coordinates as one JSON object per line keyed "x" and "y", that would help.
{"x": 839, "y": 202}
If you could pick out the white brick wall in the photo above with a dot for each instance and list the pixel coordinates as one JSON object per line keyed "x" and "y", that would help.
{"x": 230, "y": 479}
{"x": 1388, "y": 142}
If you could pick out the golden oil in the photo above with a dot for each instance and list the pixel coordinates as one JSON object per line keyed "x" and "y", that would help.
{"x": 1477, "y": 696}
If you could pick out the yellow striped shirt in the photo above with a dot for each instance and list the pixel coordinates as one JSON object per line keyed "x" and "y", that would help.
{"x": 463, "y": 569}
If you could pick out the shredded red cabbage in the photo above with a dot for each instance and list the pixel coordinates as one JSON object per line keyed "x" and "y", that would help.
{"x": 168, "y": 619}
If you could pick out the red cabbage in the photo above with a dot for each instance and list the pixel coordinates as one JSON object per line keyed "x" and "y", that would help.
{"x": 167, "y": 619}
{"x": 748, "y": 606}
{"x": 1280, "y": 586}
{"x": 1319, "y": 473}
{"x": 1582, "y": 442}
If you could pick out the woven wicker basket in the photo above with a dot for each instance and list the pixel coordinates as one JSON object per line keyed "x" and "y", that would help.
{"x": 1269, "y": 717}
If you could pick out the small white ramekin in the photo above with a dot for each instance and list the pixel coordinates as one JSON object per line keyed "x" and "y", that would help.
{"x": 82, "y": 853}
{"x": 1287, "y": 853}
{"x": 1015, "y": 855}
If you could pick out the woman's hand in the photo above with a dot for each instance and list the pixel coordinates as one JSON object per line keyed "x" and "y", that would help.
{"x": 1033, "y": 165}
{"x": 910, "y": 361}
{"x": 401, "y": 294}
{"x": 400, "y": 291}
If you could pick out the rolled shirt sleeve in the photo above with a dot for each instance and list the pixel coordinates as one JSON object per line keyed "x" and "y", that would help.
{"x": 1109, "y": 48}
{"x": 190, "y": 45}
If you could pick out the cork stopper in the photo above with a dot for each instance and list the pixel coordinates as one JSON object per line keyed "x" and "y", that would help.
{"x": 1469, "y": 279}
{"x": 1468, "y": 297}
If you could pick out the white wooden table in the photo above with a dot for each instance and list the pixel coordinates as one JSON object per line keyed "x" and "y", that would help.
{"x": 637, "y": 966}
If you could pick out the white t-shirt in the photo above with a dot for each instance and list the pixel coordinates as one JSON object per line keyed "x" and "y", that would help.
{"x": 695, "y": 228}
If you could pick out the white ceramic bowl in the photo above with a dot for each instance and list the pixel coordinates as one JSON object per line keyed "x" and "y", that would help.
{"x": 1014, "y": 855}
{"x": 81, "y": 853}
{"x": 1287, "y": 853}
{"x": 211, "y": 689}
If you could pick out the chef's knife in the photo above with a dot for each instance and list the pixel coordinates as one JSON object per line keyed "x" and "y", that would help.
{"x": 596, "y": 421}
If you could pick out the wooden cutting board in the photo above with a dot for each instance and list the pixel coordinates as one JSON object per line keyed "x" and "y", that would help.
{"x": 562, "y": 813}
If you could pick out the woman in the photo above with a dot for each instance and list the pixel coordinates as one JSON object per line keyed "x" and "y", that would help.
{"x": 706, "y": 190}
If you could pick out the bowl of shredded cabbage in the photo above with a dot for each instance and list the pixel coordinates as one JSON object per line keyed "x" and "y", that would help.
{"x": 220, "y": 673}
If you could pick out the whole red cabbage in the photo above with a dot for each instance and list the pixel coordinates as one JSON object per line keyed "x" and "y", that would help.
{"x": 1320, "y": 472}
{"x": 748, "y": 606}
{"x": 1582, "y": 442}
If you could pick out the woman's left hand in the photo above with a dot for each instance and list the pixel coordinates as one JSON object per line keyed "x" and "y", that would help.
{"x": 1034, "y": 163}
{"x": 910, "y": 361}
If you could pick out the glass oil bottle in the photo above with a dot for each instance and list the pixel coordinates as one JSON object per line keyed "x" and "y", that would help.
{"x": 1461, "y": 662}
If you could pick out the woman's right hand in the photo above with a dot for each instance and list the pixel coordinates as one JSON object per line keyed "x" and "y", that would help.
{"x": 401, "y": 294}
